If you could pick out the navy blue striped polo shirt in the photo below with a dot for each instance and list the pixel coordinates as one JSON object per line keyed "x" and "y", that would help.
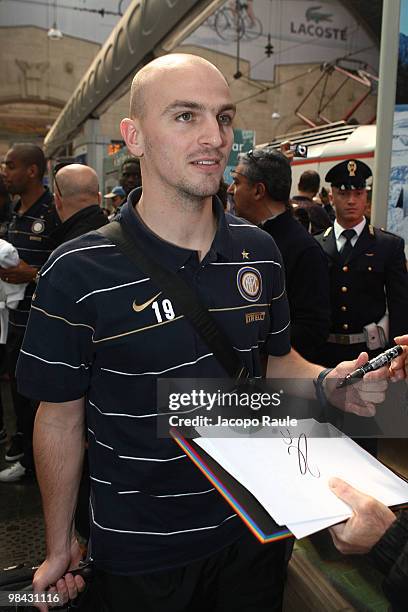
{"x": 110, "y": 333}
{"x": 29, "y": 233}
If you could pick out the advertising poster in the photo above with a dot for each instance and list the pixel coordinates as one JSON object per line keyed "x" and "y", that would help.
{"x": 299, "y": 31}
{"x": 398, "y": 194}
{"x": 244, "y": 141}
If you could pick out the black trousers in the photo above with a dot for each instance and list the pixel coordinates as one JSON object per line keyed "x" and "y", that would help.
{"x": 24, "y": 408}
{"x": 244, "y": 577}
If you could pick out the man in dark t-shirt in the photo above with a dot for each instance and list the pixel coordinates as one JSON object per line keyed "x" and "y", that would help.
{"x": 78, "y": 203}
{"x": 32, "y": 220}
{"x": 261, "y": 187}
{"x": 308, "y": 187}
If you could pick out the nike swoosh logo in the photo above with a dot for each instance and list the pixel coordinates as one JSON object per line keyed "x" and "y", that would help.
{"x": 140, "y": 307}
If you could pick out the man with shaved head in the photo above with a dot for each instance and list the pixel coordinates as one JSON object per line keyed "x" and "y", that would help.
{"x": 162, "y": 538}
{"x": 77, "y": 200}
{"x": 33, "y": 219}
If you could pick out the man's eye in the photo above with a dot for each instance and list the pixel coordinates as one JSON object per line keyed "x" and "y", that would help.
{"x": 187, "y": 116}
{"x": 225, "y": 119}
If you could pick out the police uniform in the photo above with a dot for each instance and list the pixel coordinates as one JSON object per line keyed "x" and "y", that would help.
{"x": 372, "y": 278}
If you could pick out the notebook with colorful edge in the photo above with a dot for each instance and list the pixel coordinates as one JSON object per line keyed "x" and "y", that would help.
{"x": 239, "y": 498}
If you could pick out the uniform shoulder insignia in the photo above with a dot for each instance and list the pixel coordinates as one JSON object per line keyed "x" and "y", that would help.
{"x": 327, "y": 232}
{"x": 384, "y": 231}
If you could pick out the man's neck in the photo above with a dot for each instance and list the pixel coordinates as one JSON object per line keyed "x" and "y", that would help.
{"x": 270, "y": 208}
{"x": 305, "y": 194}
{"x": 186, "y": 223}
{"x": 31, "y": 196}
{"x": 349, "y": 224}
{"x": 69, "y": 211}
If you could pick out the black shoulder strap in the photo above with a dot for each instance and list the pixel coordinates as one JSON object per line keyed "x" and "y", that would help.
{"x": 183, "y": 297}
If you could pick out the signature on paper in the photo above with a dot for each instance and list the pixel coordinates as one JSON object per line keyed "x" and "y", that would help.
{"x": 301, "y": 448}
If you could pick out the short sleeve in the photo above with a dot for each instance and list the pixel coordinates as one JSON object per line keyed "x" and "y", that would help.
{"x": 56, "y": 356}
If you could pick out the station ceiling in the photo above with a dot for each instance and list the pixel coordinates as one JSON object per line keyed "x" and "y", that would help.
{"x": 369, "y": 12}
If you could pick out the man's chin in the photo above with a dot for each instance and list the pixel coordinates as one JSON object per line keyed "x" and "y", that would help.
{"x": 203, "y": 190}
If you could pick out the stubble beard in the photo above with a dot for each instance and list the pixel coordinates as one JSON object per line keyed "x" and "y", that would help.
{"x": 195, "y": 195}
{"x": 189, "y": 195}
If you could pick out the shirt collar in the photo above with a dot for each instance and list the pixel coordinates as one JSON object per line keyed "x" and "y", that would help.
{"x": 170, "y": 255}
{"x": 45, "y": 198}
{"x": 280, "y": 215}
{"x": 66, "y": 225}
{"x": 338, "y": 229}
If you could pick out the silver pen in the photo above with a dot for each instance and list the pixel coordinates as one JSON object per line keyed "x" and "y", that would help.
{"x": 374, "y": 364}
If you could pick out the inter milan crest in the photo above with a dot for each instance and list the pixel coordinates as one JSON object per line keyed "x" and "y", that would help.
{"x": 38, "y": 226}
{"x": 249, "y": 283}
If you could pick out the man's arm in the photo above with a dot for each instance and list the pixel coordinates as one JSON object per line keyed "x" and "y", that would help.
{"x": 375, "y": 530}
{"x": 360, "y": 398}
{"x": 59, "y": 438}
{"x": 292, "y": 365}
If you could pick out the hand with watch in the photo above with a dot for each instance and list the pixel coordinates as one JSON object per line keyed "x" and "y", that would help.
{"x": 360, "y": 398}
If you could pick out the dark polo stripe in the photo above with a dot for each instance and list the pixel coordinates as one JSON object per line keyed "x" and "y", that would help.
{"x": 29, "y": 233}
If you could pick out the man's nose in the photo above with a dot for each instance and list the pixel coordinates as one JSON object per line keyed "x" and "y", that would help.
{"x": 231, "y": 188}
{"x": 211, "y": 134}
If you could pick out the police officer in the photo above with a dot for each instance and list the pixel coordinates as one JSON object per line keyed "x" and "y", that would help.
{"x": 367, "y": 271}
{"x": 368, "y": 275}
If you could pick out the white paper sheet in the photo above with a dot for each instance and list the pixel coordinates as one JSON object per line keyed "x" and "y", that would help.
{"x": 301, "y": 530}
{"x": 293, "y": 486}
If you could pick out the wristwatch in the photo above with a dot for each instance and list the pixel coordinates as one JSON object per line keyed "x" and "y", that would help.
{"x": 318, "y": 383}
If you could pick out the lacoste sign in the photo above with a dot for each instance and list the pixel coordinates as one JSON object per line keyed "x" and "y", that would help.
{"x": 311, "y": 27}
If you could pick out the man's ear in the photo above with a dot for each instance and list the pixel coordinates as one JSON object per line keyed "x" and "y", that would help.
{"x": 32, "y": 171}
{"x": 259, "y": 191}
{"x": 57, "y": 200}
{"x": 99, "y": 198}
{"x": 132, "y": 135}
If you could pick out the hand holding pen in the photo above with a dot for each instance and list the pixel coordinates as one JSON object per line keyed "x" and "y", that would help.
{"x": 374, "y": 364}
{"x": 364, "y": 390}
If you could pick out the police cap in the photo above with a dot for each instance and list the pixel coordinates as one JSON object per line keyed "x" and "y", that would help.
{"x": 349, "y": 174}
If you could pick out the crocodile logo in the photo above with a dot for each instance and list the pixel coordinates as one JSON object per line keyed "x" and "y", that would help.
{"x": 312, "y": 14}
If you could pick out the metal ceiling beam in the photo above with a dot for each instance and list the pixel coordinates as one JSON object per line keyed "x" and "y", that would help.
{"x": 148, "y": 28}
